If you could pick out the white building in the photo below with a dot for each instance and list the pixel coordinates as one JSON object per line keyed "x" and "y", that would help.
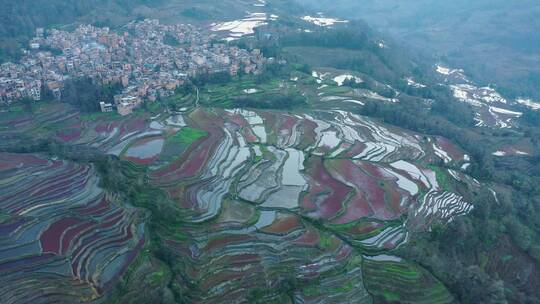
{"x": 105, "y": 107}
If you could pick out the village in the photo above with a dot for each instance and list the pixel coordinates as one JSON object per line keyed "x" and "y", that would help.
{"x": 150, "y": 60}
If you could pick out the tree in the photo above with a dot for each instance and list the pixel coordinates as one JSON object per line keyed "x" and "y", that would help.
{"x": 27, "y": 104}
{"x": 86, "y": 95}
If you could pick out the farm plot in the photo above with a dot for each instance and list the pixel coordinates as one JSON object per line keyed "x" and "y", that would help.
{"x": 240, "y": 90}
{"x": 144, "y": 151}
{"x": 44, "y": 120}
{"x": 344, "y": 134}
{"x": 107, "y": 132}
{"x": 242, "y": 233}
{"x": 364, "y": 202}
{"x": 268, "y": 199}
{"x": 332, "y": 92}
{"x": 175, "y": 144}
{"x": 228, "y": 263}
{"x": 63, "y": 238}
{"x": 391, "y": 280}
{"x": 114, "y": 136}
{"x": 253, "y": 183}
{"x": 335, "y": 134}
{"x": 490, "y": 107}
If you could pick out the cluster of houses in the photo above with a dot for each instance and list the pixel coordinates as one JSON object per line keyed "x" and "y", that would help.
{"x": 150, "y": 60}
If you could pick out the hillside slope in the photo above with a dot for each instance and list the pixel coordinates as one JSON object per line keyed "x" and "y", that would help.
{"x": 494, "y": 41}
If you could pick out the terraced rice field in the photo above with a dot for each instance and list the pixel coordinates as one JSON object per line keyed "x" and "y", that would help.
{"x": 145, "y": 151}
{"x": 274, "y": 196}
{"x": 392, "y": 280}
{"x": 331, "y": 93}
{"x": 490, "y": 107}
{"x": 62, "y": 237}
{"x": 271, "y": 199}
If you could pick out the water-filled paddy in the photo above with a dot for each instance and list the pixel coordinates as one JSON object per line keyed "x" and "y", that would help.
{"x": 145, "y": 148}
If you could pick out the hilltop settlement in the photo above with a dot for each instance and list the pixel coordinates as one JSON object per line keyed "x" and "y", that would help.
{"x": 150, "y": 60}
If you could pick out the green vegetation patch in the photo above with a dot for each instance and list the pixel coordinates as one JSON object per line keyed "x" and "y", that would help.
{"x": 176, "y": 144}
{"x": 336, "y": 90}
{"x": 16, "y": 109}
{"x": 4, "y": 216}
{"x": 154, "y": 107}
{"x": 442, "y": 178}
{"x": 196, "y": 13}
{"x": 156, "y": 277}
{"x": 99, "y": 115}
{"x": 171, "y": 40}
{"x": 263, "y": 91}
{"x": 187, "y": 136}
{"x": 326, "y": 241}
